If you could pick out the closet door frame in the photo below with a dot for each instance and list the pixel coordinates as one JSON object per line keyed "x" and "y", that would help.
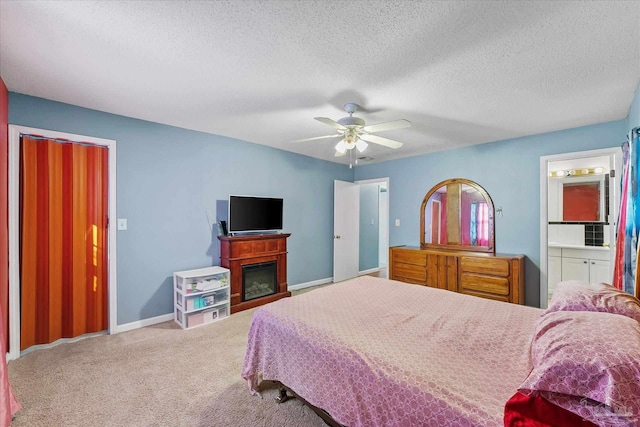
{"x": 14, "y": 228}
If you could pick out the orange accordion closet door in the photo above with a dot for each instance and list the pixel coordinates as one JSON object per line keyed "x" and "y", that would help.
{"x": 63, "y": 213}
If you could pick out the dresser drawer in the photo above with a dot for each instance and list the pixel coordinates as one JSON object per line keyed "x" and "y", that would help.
{"x": 408, "y": 256}
{"x": 499, "y": 277}
{"x": 485, "y": 284}
{"x": 409, "y": 271}
{"x": 489, "y": 266}
{"x": 494, "y": 297}
{"x": 409, "y": 281}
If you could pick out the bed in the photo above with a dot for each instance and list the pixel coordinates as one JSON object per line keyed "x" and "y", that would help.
{"x": 376, "y": 352}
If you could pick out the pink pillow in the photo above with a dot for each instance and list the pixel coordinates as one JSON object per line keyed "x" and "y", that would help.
{"x": 589, "y": 364}
{"x": 574, "y": 295}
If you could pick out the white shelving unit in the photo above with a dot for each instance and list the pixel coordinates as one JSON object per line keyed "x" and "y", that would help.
{"x": 201, "y": 296}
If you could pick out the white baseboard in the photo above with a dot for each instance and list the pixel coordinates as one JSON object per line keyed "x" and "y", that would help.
{"x": 144, "y": 322}
{"x": 309, "y": 284}
{"x": 327, "y": 280}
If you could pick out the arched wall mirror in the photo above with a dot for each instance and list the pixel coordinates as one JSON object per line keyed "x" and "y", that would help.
{"x": 457, "y": 214}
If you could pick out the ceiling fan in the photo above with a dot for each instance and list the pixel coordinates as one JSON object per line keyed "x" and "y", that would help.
{"x": 355, "y": 134}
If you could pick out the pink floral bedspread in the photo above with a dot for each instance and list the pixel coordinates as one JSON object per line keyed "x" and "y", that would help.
{"x": 375, "y": 352}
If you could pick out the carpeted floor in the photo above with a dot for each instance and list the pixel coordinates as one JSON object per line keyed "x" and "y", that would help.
{"x": 155, "y": 376}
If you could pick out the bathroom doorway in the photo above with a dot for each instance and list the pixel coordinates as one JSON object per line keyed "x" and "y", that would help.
{"x": 579, "y": 202}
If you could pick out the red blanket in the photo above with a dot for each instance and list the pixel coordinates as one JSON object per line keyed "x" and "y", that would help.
{"x": 534, "y": 411}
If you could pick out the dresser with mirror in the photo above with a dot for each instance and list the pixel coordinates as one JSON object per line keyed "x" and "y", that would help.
{"x": 457, "y": 246}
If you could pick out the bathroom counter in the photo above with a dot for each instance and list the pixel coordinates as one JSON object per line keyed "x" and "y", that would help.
{"x": 569, "y": 246}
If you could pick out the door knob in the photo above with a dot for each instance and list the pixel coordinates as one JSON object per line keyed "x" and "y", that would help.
{"x": 336, "y": 237}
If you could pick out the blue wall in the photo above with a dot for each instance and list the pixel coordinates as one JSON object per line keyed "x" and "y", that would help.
{"x": 633, "y": 120}
{"x": 509, "y": 171}
{"x": 168, "y": 180}
{"x": 369, "y": 226}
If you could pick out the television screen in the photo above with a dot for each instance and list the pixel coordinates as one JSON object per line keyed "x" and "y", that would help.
{"x": 247, "y": 213}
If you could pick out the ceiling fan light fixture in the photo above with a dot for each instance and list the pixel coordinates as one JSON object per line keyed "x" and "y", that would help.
{"x": 351, "y": 136}
{"x": 356, "y": 134}
{"x": 341, "y": 147}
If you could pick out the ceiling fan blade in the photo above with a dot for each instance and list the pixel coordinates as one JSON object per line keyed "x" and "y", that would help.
{"x": 381, "y": 141}
{"x": 317, "y": 137}
{"x": 339, "y": 154}
{"x": 396, "y": 124}
{"x": 332, "y": 123}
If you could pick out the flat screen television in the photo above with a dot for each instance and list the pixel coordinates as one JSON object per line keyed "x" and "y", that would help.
{"x": 254, "y": 214}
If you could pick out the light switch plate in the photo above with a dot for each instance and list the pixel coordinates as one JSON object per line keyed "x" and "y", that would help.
{"x": 397, "y": 222}
{"x": 122, "y": 223}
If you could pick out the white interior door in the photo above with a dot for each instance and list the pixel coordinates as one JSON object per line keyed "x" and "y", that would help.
{"x": 346, "y": 230}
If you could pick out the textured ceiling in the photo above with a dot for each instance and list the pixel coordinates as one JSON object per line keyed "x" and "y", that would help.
{"x": 463, "y": 72}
